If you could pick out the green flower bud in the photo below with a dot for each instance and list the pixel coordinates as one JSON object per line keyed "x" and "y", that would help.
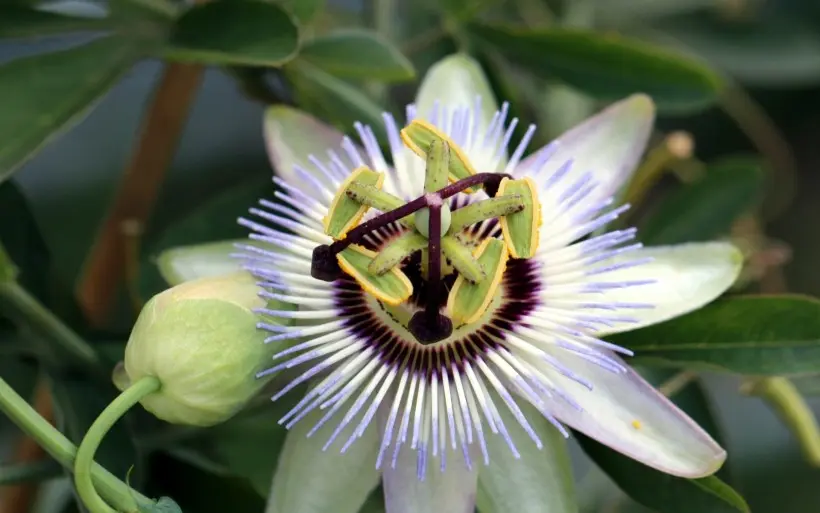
{"x": 201, "y": 341}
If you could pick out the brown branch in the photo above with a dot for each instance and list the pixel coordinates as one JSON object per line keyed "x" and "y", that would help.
{"x": 140, "y": 185}
{"x": 19, "y": 498}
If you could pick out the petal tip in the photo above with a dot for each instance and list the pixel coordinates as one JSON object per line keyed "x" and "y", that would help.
{"x": 641, "y": 104}
{"x": 709, "y": 467}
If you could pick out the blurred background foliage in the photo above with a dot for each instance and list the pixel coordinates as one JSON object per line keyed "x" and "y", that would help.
{"x": 131, "y": 127}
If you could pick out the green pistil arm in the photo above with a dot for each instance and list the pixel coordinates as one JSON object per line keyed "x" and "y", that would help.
{"x": 438, "y": 166}
{"x": 485, "y": 209}
{"x": 376, "y": 198}
{"x": 462, "y": 259}
{"x": 393, "y": 254}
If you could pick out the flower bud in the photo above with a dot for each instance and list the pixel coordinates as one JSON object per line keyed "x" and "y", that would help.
{"x": 200, "y": 339}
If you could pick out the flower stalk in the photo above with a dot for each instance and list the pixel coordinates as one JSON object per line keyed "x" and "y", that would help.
{"x": 112, "y": 489}
{"x": 84, "y": 461}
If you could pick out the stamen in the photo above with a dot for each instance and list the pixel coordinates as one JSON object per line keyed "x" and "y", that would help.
{"x": 324, "y": 264}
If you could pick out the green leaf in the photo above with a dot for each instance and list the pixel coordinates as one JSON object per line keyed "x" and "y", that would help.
{"x": 756, "y": 335}
{"x": 375, "y": 502}
{"x": 45, "y": 94}
{"x": 163, "y": 505}
{"x": 662, "y": 492}
{"x": 19, "y": 21}
{"x": 628, "y": 12}
{"x": 706, "y": 209}
{"x": 213, "y": 221}
{"x": 24, "y": 254}
{"x": 358, "y": 54}
{"x": 233, "y": 448}
{"x": 237, "y": 444}
{"x": 607, "y": 67}
{"x": 246, "y": 32}
{"x": 29, "y": 472}
{"x": 333, "y": 99}
{"x": 7, "y": 270}
{"x": 303, "y": 10}
{"x": 769, "y": 52}
{"x": 198, "y": 490}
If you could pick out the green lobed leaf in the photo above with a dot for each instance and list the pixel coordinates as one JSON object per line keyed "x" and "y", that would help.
{"x": 358, "y": 54}
{"x": 706, "y": 209}
{"x": 333, "y": 99}
{"x": 755, "y": 335}
{"x": 20, "y": 21}
{"x": 45, "y": 94}
{"x": 662, "y": 492}
{"x": 246, "y": 32}
{"x": 607, "y": 67}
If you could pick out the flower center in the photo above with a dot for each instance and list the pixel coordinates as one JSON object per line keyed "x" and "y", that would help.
{"x": 432, "y": 231}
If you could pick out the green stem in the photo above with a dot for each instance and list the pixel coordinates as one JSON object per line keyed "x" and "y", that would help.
{"x": 61, "y": 449}
{"x": 85, "y": 453}
{"x": 785, "y": 399}
{"x": 26, "y": 309}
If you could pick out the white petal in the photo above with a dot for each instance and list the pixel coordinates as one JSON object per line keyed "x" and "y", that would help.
{"x": 687, "y": 276}
{"x": 452, "y": 491}
{"x": 455, "y": 82}
{"x": 185, "y": 263}
{"x": 291, "y": 136}
{"x": 308, "y": 480}
{"x": 626, "y": 413}
{"x": 607, "y": 145}
{"x": 538, "y": 482}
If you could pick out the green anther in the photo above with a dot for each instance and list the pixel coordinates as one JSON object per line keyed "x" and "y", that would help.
{"x": 373, "y": 197}
{"x": 422, "y": 220}
{"x": 438, "y": 163}
{"x": 462, "y": 259}
{"x": 376, "y": 198}
{"x": 396, "y": 251}
{"x": 392, "y": 288}
{"x": 420, "y": 135}
{"x": 345, "y": 213}
{"x": 521, "y": 229}
{"x": 486, "y": 209}
{"x": 467, "y": 302}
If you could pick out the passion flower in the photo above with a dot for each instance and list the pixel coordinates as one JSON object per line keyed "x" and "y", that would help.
{"x": 454, "y": 292}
